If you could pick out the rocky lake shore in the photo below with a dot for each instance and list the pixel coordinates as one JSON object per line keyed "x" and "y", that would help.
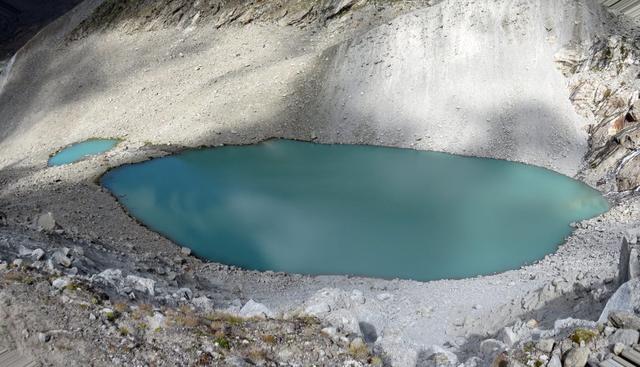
{"x": 83, "y": 283}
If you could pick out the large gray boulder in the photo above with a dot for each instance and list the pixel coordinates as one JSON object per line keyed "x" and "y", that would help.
{"x": 629, "y": 265}
{"x": 624, "y": 320}
{"x": 624, "y": 336}
{"x": 144, "y": 285}
{"x": 625, "y": 299}
{"x": 576, "y": 357}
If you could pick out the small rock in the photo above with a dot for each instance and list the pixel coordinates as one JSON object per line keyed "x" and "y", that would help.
{"x": 437, "y": 357}
{"x": 112, "y": 277}
{"x": 285, "y": 354}
{"x": 37, "y": 254}
{"x": 23, "y": 251}
{"x": 43, "y": 337}
{"x": 554, "y": 361}
{"x": 618, "y": 348}
{"x": 203, "y": 304}
{"x": 330, "y": 332}
{"x": 508, "y": 337}
{"x": 61, "y": 283}
{"x": 490, "y": 348}
{"x": 317, "y": 309}
{"x": 140, "y": 284}
{"x": 185, "y": 251}
{"x": 46, "y": 222}
{"x": 255, "y": 309}
{"x": 18, "y": 262}
{"x": 156, "y": 321}
{"x": 185, "y": 293}
{"x": 60, "y": 258}
{"x": 576, "y": 357}
{"x": 532, "y": 324}
{"x": 545, "y": 345}
{"x": 608, "y": 330}
{"x": 384, "y": 296}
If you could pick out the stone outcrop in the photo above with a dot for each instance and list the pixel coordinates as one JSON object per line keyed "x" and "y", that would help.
{"x": 604, "y": 89}
{"x": 152, "y": 15}
{"x": 629, "y": 265}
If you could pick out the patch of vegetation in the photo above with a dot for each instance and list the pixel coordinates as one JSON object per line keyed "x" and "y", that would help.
{"x": 19, "y": 277}
{"x": 121, "y": 307}
{"x": 308, "y": 320}
{"x": 73, "y": 286}
{"x": 583, "y": 335}
{"x": 376, "y": 361}
{"x": 225, "y": 317}
{"x": 124, "y": 331}
{"x": 184, "y": 317}
{"x": 359, "y": 351}
{"x": 222, "y": 342}
{"x": 269, "y": 339}
{"x": 257, "y": 355}
{"x": 112, "y": 315}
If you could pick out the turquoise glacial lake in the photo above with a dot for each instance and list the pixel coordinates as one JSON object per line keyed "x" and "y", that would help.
{"x": 345, "y": 209}
{"x": 80, "y": 151}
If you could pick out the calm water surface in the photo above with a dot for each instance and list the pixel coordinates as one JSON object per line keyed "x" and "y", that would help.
{"x": 345, "y": 209}
{"x": 80, "y": 151}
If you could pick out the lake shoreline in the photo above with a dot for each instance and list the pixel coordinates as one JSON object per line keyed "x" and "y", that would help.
{"x": 437, "y": 306}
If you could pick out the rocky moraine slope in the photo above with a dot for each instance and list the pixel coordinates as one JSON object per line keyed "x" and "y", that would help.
{"x": 552, "y": 83}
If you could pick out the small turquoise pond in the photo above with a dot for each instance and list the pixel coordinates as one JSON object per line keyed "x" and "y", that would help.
{"x": 345, "y": 209}
{"x": 80, "y": 151}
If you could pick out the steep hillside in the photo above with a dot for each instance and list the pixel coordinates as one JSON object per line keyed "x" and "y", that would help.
{"x": 470, "y": 77}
